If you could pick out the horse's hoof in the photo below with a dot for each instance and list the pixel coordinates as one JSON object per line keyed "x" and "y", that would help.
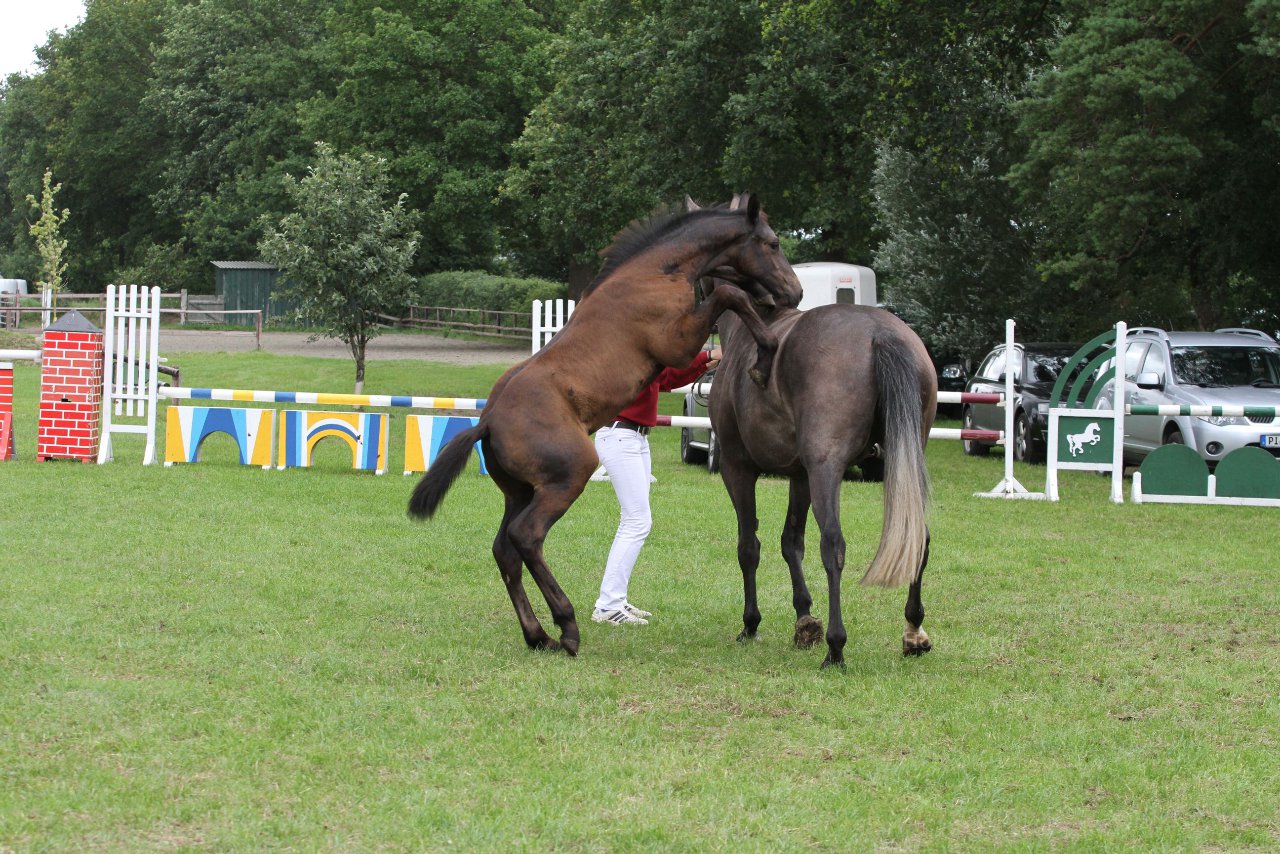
{"x": 915, "y": 642}
{"x": 546, "y": 645}
{"x": 570, "y": 646}
{"x": 827, "y": 662}
{"x": 916, "y": 648}
{"x": 808, "y": 632}
{"x": 745, "y": 636}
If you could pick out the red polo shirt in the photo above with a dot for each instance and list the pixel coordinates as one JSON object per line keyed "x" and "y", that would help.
{"x": 644, "y": 409}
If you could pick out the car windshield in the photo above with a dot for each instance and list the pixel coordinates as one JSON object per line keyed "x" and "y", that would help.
{"x": 1045, "y": 367}
{"x": 1227, "y": 366}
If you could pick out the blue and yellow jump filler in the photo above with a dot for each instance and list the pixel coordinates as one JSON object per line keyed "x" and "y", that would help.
{"x": 300, "y": 430}
{"x": 186, "y": 428}
{"x": 425, "y": 435}
{"x": 364, "y": 432}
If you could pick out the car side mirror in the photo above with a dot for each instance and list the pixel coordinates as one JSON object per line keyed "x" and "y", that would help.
{"x": 1148, "y": 379}
{"x": 1002, "y": 378}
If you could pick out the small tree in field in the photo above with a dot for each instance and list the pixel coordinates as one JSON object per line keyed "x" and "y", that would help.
{"x": 47, "y": 230}
{"x": 343, "y": 252}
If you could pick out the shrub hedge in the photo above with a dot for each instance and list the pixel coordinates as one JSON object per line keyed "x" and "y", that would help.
{"x": 477, "y": 289}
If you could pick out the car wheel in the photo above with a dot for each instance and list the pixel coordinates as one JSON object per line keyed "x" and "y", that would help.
{"x": 713, "y": 453}
{"x": 1025, "y": 448}
{"x": 972, "y": 447}
{"x": 1174, "y": 437}
{"x": 689, "y": 454}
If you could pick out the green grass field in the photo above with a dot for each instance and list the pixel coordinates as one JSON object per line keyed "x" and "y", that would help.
{"x": 214, "y": 657}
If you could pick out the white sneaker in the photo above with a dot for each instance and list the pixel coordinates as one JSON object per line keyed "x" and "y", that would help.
{"x": 635, "y": 612}
{"x": 618, "y": 618}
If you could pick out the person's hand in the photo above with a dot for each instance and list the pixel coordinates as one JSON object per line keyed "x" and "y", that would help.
{"x": 713, "y": 358}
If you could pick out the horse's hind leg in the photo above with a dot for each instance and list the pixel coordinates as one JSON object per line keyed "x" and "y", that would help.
{"x": 510, "y": 565}
{"x": 528, "y": 532}
{"x": 808, "y": 630}
{"x": 824, "y": 483}
{"x": 914, "y": 639}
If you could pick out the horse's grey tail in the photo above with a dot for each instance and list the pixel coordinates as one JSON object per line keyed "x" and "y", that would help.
{"x": 450, "y": 462}
{"x": 904, "y": 537}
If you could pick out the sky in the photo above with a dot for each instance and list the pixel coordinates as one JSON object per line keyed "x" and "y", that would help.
{"x": 24, "y": 24}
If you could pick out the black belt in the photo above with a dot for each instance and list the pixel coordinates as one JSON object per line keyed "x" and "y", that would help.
{"x": 631, "y": 425}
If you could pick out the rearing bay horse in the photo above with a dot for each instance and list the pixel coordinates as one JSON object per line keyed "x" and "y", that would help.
{"x": 636, "y": 318}
{"x": 845, "y": 378}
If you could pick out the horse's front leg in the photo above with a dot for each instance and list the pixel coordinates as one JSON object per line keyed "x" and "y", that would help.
{"x": 808, "y": 630}
{"x": 741, "y": 486}
{"x": 729, "y": 297}
{"x": 914, "y": 639}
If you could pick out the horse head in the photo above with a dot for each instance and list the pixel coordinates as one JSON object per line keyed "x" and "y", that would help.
{"x": 756, "y": 257}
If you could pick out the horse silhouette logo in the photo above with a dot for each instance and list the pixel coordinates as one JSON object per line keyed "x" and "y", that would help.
{"x": 1077, "y": 441}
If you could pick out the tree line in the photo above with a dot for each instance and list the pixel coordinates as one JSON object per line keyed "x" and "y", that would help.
{"x": 1064, "y": 162}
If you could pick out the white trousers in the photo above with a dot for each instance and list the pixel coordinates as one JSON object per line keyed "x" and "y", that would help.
{"x": 625, "y": 456}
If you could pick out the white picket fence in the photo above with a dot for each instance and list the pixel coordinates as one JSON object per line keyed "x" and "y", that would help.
{"x": 132, "y": 348}
{"x": 549, "y": 317}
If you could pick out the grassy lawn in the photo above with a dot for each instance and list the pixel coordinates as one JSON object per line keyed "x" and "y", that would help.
{"x": 214, "y": 657}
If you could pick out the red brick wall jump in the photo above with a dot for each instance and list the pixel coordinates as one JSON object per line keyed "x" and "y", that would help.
{"x": 70, "y": 396}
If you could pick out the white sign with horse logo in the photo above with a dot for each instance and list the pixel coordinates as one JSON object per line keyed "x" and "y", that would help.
{"x": 1077, "y": 441}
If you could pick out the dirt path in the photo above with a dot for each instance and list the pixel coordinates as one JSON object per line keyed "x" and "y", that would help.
{"x": 429, "y": 348}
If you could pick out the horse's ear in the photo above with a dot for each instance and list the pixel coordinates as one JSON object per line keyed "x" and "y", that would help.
{"x": 753, "y": 207}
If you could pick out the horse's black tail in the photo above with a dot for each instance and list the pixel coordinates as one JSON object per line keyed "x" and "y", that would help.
{"x": 906, "y": 479}
{"x": 450, "y": 462}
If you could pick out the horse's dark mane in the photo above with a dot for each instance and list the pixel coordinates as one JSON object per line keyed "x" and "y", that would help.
{"x": 640, "y": 234}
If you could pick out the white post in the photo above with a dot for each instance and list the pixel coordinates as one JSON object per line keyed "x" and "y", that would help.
{"x": 536, "y": 323}
{"x": 1009, "y": 487}
{"x": 1118, "y": 406}
{"x": 46, "y": 304}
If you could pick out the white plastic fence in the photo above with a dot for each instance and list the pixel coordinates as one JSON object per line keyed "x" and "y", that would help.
{"x": 549, "y": 317}
{"x": 130, "y": 368}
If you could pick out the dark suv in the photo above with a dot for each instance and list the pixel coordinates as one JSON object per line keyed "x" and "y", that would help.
{"x": 1036, "y": 369}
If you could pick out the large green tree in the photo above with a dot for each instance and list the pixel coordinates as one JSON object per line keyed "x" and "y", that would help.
{"x": 637, "y": 117}
{"x": 838, "y": 79}
{"x": 79, "y": 115}
{"x": 440, "y": 88}
{"x": 345, "y": 249}
{"x": 1152, "y": 147}
{"x": 958, "y": 249}
{"x": 225, "y": 89}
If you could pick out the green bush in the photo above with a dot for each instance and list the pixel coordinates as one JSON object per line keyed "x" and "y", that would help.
{"x": 477, "y": 289}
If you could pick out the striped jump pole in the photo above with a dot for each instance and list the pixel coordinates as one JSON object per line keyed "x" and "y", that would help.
{"x": 467, "y": 404}
{"x": 996, "y": 436}
{"x": 1203, "y": 411}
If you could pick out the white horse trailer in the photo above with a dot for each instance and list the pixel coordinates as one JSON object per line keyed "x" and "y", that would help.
{"x": 828, "y": 282}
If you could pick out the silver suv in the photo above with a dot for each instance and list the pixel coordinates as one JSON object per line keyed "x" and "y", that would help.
{"x": 1228, "y": 367}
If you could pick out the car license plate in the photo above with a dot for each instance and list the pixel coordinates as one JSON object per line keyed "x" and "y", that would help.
{"x": 1270, "y": 440}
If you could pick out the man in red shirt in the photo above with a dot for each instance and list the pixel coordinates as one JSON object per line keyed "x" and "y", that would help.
{"x": 623, "y": 447}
